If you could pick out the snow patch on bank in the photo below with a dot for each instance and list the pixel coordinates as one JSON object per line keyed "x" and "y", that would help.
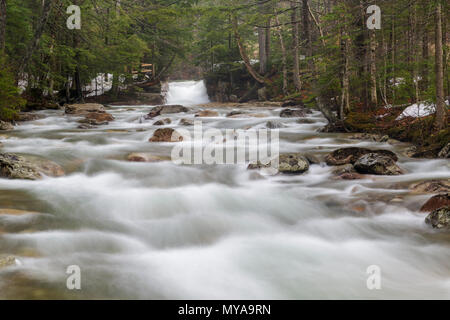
{"x": 419, "y": 110}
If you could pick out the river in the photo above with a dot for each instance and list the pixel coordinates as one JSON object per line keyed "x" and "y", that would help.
{"x": 166, "y": 231}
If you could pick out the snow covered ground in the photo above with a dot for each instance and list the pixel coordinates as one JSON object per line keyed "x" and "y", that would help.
{"x": 419, "y": 110}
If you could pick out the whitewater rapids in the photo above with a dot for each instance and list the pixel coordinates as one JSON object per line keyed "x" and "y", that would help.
{"x": 162, "y": 231}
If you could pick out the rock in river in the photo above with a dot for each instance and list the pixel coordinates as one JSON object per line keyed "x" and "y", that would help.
{"x": 13, "y": 166}
{"x": 439, "y": 218}
{"x": 436, "y": 202}
{"x": 293, "y": 163}
{"x": 274, "y": 125}
{"x": 97, "y": 118}
{"x": 166, "y": 135}
{"x": 292, "y": 113}
{"x": 445, "y": 152}
{"x": 350, "y": 155}
{"x": 7, "y": 261}
{"x": 146, "y": 157}
{"x": 206, "y": 114}
{"x": 162, "y": 122}
{"x": 432, "y": 186}
{"x": 186, "y": 122}
{"x": 289, "y": 163}
{"x": 80, "y": 109}
{"x": 6, "y": 126}
{"x": 374, "y": 163}
{"x": 169, "y": 109}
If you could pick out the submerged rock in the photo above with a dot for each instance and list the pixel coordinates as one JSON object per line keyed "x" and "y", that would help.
{"x": 352, "y": 154}
{"x": 85, "y": 126}
{"x": 207, "y": 113}
{"x": 436, "y": 202}
{"x": 97, "y": 118}
{"x": 293, "y": 113}
{"x": 166, "y": 135}
{"x": 346, "y": 172}
{"x": 5, "y": 126}
{"x": 169, "y": 109}
{"x": 305, "y": 121}
{"x": 373, "y": 163}
{"x": 7, "y": 261}
{"x": 13, "y": 166}
{"x": 80, "y": 109}
{"x": 146, "y": 157}
{"x": 16, "y": 212}
{"x": 186, "y": 122}
{"x": 162, "y": 122}
{"x": 26, "y": 116}
{"x": 370, "y": 137}
{"x": 274, "y": 125}
{"x": 233, "y": 114}
{"x": 440, "y": 218}
{"x": 432, "y": 186}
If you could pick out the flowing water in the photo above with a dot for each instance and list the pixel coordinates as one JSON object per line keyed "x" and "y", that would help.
{"x": 166, "y": 231}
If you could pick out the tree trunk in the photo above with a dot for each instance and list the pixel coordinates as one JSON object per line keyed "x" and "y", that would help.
{"x": 345, "y": 98}
{"x": 440, "y": 103}
{"x": 46, "y": 9}
{"x": 373, "y": 69}
{"x": 283, "y": 56}
{"x": 307, "y": 33}
{"x": 244, "y": 55}
{"x": 262, "y": 41}
{"x": 425, "y": 57}
{"x": 2, "y": 25}
{"x": 295, "y": 47}
{"x": 415, "y": 53}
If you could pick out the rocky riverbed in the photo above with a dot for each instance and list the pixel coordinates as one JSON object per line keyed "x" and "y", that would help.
{"x": 94, "y": 186}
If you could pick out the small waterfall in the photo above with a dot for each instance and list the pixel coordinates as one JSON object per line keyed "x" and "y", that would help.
{"x": 187, "y": 93}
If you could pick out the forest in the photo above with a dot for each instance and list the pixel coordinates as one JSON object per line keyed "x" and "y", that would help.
{"x": 319, "y": 52}
{"x": 99, "y": 98}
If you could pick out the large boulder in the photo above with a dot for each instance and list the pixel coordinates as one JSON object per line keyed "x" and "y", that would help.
{"x": 13, "y": 166}
{"x": 81, "y": 109}
{"x": 166, "y": 135}
{"x": 445, "y": 152}
{"x": 374, "y": 163}
{"x": 169, "y": 109}
{"x": 207, "y": 113}
{"x": 350, "y": 155}
{"x": 97, "y": 118}
{"x": 292, "y": 113}
{"x": 6, "y": 126}
{"x": 439, "y": 218}
{"x": 436, "y": 202}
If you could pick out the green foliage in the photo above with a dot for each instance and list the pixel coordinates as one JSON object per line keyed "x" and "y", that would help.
{"x": 10, "y": 101}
